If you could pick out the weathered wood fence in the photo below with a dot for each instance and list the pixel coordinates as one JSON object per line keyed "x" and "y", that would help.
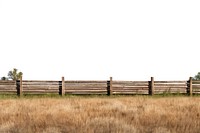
{"x": 108, "y": 87}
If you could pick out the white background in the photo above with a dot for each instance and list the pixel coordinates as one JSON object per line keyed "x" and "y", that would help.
{"x": 96, "y": 39}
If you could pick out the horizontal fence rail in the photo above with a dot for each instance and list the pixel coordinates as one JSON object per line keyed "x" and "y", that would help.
{"x": 108, "y": 87}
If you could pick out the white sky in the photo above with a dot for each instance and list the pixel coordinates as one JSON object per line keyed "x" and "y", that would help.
{"x": 96, "y": 39}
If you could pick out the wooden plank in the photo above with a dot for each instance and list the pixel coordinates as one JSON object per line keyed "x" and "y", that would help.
{"x": 170, "y": 93}
{"x": 86, "y": 93}
{"x": 173, "y": 90}
{"x": 86, "y": 89}
{"x": 80, "y": 87}
{"x": 86, "y": 85}
{"x": 125, "y": 85}
{"x": 196, "y": 92}
{"x": 7, "y": 81}
{"x": 4, "y": 86}
{"x": 40, "y": 83}
{"x": 130, "y": 82}
{"x": 170, "y": 87}
{"x": 170, "y": 82}
{"x": 41, "y": 86}
{"x": 195, "y": 81}
{"x": 130, "y": 88}
{"x": 10, "y": 88}
{"x": 84, "y": 81}
{"x": 38, "y": 88}
{"x": 11, "y": 83}
{"x": 118, "y": 86}
{"x": 130, "y": 93}
{"x": 196, "y": 86}
{"x": 41, "y": 91}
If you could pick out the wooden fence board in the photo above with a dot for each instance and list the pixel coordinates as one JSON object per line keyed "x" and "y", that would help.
{"x": 195, "y": 86}
{"x": 130, "y": 88}
{"x": 7, "y": 83}
{"x": 84, "y": 88}
{"x": 14, "y": 90}
{"x": 35, "y": 83}
{"x": 84, "y": 81}
{"x": 170, "y": 82}
{"x": 86, "y": 85}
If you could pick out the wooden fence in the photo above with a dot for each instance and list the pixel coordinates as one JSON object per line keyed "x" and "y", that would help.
{"x": 108, "y": 87}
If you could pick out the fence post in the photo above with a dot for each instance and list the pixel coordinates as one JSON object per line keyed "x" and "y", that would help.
{"x": 20, "y": 87}
{"x": 63, "y": 87}
{"x": 109, "y": 87}
{"x": 151, "y": 87}
{"x": 190, "y": 86}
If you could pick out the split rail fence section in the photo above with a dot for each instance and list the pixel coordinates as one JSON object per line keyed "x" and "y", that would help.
{"x": 109, "y": 87}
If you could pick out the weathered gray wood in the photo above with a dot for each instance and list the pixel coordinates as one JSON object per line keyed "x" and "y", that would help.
{"x": 63, "y": 87}
{"x": 170, "y": 82}
{"x": 85, "y": 81}
{"x": 8, "y": 90}
{"x": 48, "y": 81}
{"x": 196, "y": 81}
{"x": 170, "y": 85}
{"x": 130, "y": 82}
{"x": 190, "y": 86}
{"x": 131, "y": 93}
{"x": 41, "y": 88}
{"x": 118, "y": 85}
{"x": 172, "y": 88}
{"x": 20, "y": 87}
{"x": 111, "y": 85}
{"x": 87, "y": 93}
{"x": 151, "y": 87}
{"x": 40, "y": 83}
{"x": 196, "y": 86}
{"x": 7, "y": 86}
{"x": 87, "y": 85}
{"x": 41, "y": 91}
{"x": 130, "y": 88}
{"x": 38, "y": 93}
{"x": 85, "y": 89}
{"x": 160, "y": 87}
{"x": 8, "y": 83}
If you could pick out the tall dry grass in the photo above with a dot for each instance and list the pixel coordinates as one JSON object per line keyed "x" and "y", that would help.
{"x": 101, "y": 115}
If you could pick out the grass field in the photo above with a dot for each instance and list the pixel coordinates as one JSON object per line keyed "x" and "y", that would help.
{"x": 130, "y": 114}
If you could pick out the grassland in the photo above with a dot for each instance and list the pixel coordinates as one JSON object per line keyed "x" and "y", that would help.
{"x": 136, "y": 114}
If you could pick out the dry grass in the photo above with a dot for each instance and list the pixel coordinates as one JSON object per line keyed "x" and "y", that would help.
{"x": 101, "y": 115}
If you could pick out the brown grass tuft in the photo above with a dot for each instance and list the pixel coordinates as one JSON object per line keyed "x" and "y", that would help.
{"x": 101, "y": 115}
